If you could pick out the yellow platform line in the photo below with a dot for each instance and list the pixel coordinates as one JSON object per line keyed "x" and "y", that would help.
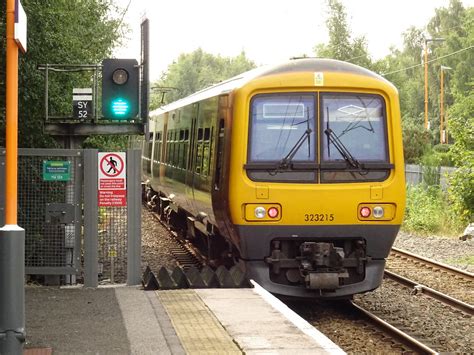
{"x": 197, "y": 328}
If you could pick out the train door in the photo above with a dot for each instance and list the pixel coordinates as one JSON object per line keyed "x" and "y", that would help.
{"x": 190, "y": 165}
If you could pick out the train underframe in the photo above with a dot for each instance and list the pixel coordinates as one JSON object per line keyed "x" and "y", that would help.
{"x": 294, "y": 261}
{"x": 213, "y": 248}
{"x": 317, "y": 261}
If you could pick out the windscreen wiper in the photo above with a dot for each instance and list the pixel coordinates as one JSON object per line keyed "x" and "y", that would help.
{"x": 285, "y": 162}
{"x": 341, "y": 148}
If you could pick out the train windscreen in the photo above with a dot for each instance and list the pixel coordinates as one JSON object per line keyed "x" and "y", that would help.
{"x": 279, "y": 123}
{"x": 285, "y": 138}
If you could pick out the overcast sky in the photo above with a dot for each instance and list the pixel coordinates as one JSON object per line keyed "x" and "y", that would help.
{"x": 269, "y": 31}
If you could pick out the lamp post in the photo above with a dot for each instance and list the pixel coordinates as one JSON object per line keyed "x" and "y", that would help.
{"x": 426, "y": 73}
{"x": 442, "y": 123}
{"x": 12, "y": 237}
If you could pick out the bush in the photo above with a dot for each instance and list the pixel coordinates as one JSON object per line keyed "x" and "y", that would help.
{"x": 423, "y": 210}
{"x": 429, "y": 211}
{"x": 443, "y": 153}
{"x": 416, "y": 140}
{"x": 430, "y": 167}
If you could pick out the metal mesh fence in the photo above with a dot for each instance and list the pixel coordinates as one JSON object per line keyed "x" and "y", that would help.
{"x": 48, "y": 242}
{"x": 52, "y": 210}
{"x": 113, "y": 244}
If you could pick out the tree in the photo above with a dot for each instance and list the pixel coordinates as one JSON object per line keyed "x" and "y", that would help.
{"x": 461, "y": 124}
{"x": 340, "y": 45}
{"x": 197, "y": 70}
{"x": 59, "y": 31}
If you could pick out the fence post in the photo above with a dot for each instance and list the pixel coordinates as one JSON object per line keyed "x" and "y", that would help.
{"x": 91, "y": 212}
{"x": 134, "y": 248}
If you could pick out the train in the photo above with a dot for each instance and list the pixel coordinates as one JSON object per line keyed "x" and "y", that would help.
{"x": 294, "y": 172}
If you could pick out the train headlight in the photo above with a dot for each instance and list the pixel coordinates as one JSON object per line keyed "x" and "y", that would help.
{"x": 260, "y": 212}
{"x": 378, "y": 212}
{"x": 365, "y": 212}
{"x": 273, "y": 212}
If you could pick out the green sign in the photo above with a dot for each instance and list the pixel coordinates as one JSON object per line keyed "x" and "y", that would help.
{"x": 56, "y": 170}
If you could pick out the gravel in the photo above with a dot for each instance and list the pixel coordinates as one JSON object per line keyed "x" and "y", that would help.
{"x": 449, "y": 250}
{"x": 155, "y": 243}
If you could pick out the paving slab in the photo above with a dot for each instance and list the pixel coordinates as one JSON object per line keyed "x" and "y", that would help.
{"x": 75, "y": 320}
{"x": 261, "y": 324}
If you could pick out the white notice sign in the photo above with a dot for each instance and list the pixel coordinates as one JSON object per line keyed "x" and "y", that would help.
{"x": 112, "y": 184}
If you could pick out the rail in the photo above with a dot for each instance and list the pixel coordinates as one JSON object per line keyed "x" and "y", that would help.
{"x": 434, "y": 263}
{"x": 395, "y": 333}
{"x": 453, "y": 302}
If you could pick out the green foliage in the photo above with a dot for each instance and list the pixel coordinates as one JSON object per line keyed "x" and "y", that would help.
{"x": 340, "y": 45}
{"x": 430, "y": 167}
{"x": 195, "y": 71}
{"x": 416, "y": 140}
{"x": 461, "y": 125}
{"x": 428, "y": 211}
{"x": 67, "y": 32}
{"x": 443, "y": 153}
{"x": 423, "y": 212}
{"x": 110, "y": 143}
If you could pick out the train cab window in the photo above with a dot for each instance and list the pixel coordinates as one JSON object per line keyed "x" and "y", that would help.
{"x": 353, "y": 138}
{"x": 282, "y": 138}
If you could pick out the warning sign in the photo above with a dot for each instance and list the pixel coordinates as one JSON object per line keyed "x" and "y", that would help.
{"x": 112, "y": 180}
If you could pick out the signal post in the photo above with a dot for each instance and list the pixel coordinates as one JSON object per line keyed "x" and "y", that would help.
{"x": 12, "y": 237}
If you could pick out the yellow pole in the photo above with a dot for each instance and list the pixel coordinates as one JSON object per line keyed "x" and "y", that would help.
{"x": 426, "y": 83}
{"x": 11, "y": 176}
{"x": 446, "y": 137}
{"x": 441, "y": 110}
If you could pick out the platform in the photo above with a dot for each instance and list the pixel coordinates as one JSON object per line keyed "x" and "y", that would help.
{"x": 127, "y": 320}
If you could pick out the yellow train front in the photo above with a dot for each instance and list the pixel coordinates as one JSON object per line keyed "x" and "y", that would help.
{"x": 302, "y": 177}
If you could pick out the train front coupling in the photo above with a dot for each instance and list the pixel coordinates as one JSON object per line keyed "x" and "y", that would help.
{"x": 317, "y": 265}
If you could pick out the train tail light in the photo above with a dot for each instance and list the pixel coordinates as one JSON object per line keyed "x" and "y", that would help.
{"x": 365, "y": 212}
{"x": 273, "y": 212}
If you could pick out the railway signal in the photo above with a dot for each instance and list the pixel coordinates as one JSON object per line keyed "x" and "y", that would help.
{"x": 120, "y": 82}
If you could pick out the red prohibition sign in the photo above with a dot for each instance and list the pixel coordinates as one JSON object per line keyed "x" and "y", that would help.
{"x": 115, "y": 167}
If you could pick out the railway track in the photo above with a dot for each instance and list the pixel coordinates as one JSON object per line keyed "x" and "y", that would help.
{"x": 358, "y": 330}
{"x": 403, "y": 315}
{"x": 427, "y": 275}
{"x": 186, "y": 257}
{"x": 192, "y": 270}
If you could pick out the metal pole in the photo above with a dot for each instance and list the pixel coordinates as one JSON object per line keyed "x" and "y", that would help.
{"x": 91, "y": 212}
{"x": 426, "y": 83}
{"x": 12, "y": 237}
{"x": 441, "y": 109}
{"x": 134, "y": 246}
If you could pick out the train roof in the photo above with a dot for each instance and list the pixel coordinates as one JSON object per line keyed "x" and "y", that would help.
{"x": 293, "y": 65}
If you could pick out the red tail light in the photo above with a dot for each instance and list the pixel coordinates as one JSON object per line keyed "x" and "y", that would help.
{"x": 365, "y": 212}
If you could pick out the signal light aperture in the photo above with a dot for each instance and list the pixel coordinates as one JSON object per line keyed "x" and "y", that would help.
{"x": 120, "y": 76}
{"x": 120, "y": 107}
{"x": 120, "y": 84}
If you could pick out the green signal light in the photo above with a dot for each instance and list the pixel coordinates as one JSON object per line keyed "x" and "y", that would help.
{"x": 120, "y": 107}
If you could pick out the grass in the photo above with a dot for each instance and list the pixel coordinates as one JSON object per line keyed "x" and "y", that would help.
{"x": 428, "y": 211}
{"x": 465, "y": 260}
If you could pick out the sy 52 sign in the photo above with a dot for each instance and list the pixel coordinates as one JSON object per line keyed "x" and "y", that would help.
{"x": 82, "y": 103}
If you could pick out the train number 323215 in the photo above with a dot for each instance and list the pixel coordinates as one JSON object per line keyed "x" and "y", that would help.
{"x": 318, "y": 217}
